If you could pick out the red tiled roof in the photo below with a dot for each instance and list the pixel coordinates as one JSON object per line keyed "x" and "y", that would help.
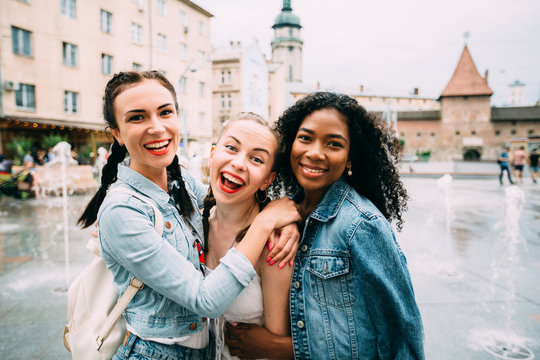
{"x": 466, "y": 80}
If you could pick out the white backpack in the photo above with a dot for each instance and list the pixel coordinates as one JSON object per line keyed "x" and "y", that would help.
{"x": 95, "y": 326}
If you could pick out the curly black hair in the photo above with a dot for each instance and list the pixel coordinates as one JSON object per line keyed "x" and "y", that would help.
{"x": 374, "y": 152}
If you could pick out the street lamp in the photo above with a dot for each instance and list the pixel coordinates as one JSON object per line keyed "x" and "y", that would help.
{"x": 190, "y": 68}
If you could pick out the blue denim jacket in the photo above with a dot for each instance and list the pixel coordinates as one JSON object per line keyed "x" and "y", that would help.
{"x": 176, "y": 295}
{"x": 351, "y": 294}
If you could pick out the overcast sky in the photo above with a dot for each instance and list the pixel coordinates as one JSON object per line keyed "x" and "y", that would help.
{"x": 392, "y": 46}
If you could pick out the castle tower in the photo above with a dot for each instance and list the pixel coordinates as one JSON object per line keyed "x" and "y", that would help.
{"x": 287, "y": 45}
{"x": 466, "y": 111}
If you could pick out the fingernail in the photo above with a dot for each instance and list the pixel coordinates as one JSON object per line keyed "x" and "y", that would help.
{"x": 292, "y": 263}
{"x": 271, "y": 262}
{"x": 268, "y": 259}
{"x": 281, "y": 265}
{"x": 269, "y": 246}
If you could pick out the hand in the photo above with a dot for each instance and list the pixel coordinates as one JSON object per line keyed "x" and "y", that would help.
{"x": 250, "y": 341}
{"x": 283, "y": 245}
{"x": 280, "y": 212}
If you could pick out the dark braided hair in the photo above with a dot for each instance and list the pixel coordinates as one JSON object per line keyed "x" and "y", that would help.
{"x": 116, "y": 85}
{"x": 209, "y": 201}
{"x": 374, "y": 152}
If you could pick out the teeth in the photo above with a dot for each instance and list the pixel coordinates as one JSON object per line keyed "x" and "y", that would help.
{"x": 157, "y": 145}
{"x": 233, "y": 179}
{"x": 315, "y": 171}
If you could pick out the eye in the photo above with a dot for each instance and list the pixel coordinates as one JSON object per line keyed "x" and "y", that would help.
{"x": 135, "y": 118}
{"x": 166, "y": 112}
{"x": 230, "y": 147}
{"x": 304, "y": 137}
{"x": 336, "y": 144}
{"x": 257, "y": 159}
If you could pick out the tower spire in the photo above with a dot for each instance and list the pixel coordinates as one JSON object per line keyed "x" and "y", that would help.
{"x": 286, "y": 5}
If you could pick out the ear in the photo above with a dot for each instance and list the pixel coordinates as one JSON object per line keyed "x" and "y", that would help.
{"x": 268, "y": 181}
{"x": 209, "y": 162}
{"x": 117, "y": 136}
{"x": 349, "y": 163}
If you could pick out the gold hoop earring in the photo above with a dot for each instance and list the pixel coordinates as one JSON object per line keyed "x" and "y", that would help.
{"x": 257, "y": 195}
{"x": 350, "y": 171}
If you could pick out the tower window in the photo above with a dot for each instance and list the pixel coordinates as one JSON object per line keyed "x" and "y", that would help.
{"x": 290, "y": 48}
{"x": 290, "y": 73}
{"x": 290, "y": 32}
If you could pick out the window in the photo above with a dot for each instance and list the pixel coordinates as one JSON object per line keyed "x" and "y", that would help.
{"x": 21, "y": 41}
{"x": 229, "y": 102}
{"x": 225, "y": 77}
{"x": 137, "y": 66}
{"x": 136, "y": 33}
{"x": 290, "y": 72}
{"x": 458, "y": 133}
{"x": 161, "y": 42}
{"x": 229, "y": 77}
{"x": 513, "y": 132}
{"x": 182, "y": 85}
{"x": 106, "y": 64}
{"x": 418, "y": 134}
{"x": 473, "y": 132}
{"x": 67, "y": 7}
{"x": 182, "y": 18}
{"x": 201, "y": 57}
{"x": 201, "y": 88}
{"x": 71, "y": 102}
{"x": 69, "y": 54}
{"x": 201, "y": 120}
{"x": 497, "y": 132}
{"x": 226, "y": 102}
{"x": 161, "y": 8}
{"x": 290, "y": 32}
{"x": 105, "y": 21}
{"x": 183, "y": 51}
{"x": 530, "y": 132}
{"x": 25, "y": 98}
{"x": 223, "y": 101}
{"x": 201, "y": 28}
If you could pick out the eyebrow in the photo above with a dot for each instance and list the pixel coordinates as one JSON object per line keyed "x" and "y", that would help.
{"x": 338, "y": 136}
{"x": 141, "y": 110}
{"x": 255, "y": 149}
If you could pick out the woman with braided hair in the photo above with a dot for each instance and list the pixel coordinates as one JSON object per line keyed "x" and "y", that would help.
{"x": 167, "y": 318}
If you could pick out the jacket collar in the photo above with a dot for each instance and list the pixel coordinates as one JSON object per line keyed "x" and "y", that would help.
{"x": 142, "y": 184}
{"x": 331, "y": 201}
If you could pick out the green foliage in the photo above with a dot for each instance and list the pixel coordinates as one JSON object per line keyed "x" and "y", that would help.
{"x": 402, "y": 143}
{"x": 423, "y": 155}
{"x": 19, "y": 147}
{"x": 49, "y": 141}
{"x": 84, "y": 154}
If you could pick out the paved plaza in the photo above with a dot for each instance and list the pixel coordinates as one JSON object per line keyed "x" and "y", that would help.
{"x": 473, "y": 248}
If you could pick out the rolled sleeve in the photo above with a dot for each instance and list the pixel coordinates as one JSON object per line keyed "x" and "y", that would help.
{"x": 239, "y": 266}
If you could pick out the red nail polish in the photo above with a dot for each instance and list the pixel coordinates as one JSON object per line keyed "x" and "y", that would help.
{"x": 268, "y": 259}
{"x": 281, "y": 265}
{"x": 269, "y": 246}
{"x": 272, "y": 263}
{"x": 292, "y": 262}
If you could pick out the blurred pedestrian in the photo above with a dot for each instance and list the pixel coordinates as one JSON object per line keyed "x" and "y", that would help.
{"x": 503, "y": 163}
{"x": 533, "y": 164}
{"x": 518, "y": 159}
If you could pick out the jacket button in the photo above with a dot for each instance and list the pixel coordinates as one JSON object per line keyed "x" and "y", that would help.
{"x": 192, "y": 326}
{"x": 296, "y": 284}
{"x": 304, "y": 248}
{"x": 168, "y": 225}
{"x": 300, "y": 324}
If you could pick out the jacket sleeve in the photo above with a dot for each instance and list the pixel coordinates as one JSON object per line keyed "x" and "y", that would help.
{"x": 128, "y": 237}
{"x": 387, "y": 289}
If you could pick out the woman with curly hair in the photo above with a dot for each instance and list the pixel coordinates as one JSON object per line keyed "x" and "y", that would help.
{"x": 351, "y": 294}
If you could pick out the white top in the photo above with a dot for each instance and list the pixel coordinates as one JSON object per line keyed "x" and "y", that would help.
{"x": 246, "y": 308}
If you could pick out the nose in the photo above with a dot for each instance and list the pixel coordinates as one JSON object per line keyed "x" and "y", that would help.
{"x": 239, "y": 162}
{"x": 156, "y": 126}
{"x": 315, "y": 151}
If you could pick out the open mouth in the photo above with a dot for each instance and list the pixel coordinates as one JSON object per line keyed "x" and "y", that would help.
{"x": 230, "y": 183}
{"x": 158, "y": 147}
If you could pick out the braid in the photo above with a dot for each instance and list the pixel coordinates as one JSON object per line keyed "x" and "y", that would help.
{"x": 179, "y": 194}
{"x": 208, "y": 203}
{"x": 110, "y": 170}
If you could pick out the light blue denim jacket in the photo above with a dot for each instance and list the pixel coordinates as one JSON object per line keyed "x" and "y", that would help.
{"x": 176, "y": 295}
{"x": 351, "y": 294}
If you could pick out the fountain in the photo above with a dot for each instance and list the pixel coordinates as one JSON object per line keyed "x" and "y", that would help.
{"x": 100, "y": 162}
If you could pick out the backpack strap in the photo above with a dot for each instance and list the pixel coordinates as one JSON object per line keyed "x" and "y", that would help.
{"x": 135, "y": 284}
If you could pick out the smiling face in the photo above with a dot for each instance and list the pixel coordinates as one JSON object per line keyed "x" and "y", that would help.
{"x": 148, "y": 126}
{"x": 242, "y": 161}
{"x": 320, "y": 151}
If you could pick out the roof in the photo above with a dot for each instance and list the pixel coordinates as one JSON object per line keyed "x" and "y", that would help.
{"x": 197, "y": 8}
{"x": 514, "y": 113}
{"x": 419, "y": 115}
{"x": 466, "y": 81}
{"x": 287, "y": 18}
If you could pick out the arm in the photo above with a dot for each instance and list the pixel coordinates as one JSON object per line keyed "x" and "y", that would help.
{"x": 387, "y": 289}
{"x": 250, "y": 341}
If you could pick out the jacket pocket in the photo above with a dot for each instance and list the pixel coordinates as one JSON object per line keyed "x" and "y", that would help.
{"x": 330, "y": 280}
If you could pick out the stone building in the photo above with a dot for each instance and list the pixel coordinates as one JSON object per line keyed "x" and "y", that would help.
{"x": 287, "y": 45}
{"x": 56, "y": 57}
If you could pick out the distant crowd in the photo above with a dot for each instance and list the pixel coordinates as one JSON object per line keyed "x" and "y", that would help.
{"x": 517, "y": 161}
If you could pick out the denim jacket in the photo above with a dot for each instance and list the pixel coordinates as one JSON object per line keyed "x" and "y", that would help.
{"x": 351, "y": 294}
{"x": 176, "y": 295}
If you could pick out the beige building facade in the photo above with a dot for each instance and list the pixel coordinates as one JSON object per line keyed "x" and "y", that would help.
{"x": 56, "y": 57}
